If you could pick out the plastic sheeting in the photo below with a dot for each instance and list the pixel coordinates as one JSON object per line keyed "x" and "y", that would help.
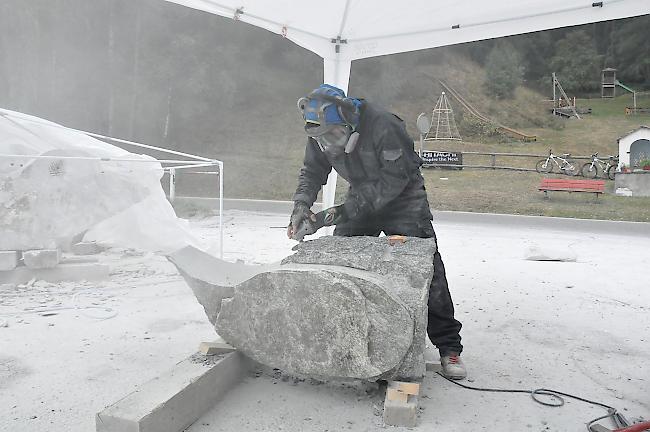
{"x": 83, "y": 184}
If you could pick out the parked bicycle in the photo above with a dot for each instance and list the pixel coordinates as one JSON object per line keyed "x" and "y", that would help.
{"x": 606, "y": 167}
{"x": 563, "y": 164}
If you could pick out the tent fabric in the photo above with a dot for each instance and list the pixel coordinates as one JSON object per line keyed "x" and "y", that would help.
{"x": 370, "y": 28}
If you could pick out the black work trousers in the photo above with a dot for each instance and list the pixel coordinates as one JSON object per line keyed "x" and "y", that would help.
{"x": 443, "y": 329}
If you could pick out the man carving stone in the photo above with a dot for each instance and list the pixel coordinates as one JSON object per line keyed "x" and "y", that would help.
{"x": 370, "y": 148}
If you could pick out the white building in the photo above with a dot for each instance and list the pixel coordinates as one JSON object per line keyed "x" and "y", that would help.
{"x": 634, "y": 147}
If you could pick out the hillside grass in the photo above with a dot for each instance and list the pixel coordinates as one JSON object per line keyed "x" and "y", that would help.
{"x": 496, "y": 191}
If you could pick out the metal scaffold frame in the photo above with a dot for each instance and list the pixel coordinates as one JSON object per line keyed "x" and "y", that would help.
{"x": 442, "y": 118}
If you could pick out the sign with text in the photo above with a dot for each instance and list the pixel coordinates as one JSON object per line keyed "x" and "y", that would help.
{"x": 438, "y": 158}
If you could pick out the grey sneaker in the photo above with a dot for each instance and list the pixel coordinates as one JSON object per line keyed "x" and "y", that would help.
{"x": 453, "y": 367}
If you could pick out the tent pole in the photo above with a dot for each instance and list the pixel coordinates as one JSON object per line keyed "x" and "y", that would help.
{"x": 337, "y": 73}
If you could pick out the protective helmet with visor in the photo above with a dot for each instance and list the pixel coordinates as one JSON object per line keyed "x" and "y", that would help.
{"x": 330, "y": 118}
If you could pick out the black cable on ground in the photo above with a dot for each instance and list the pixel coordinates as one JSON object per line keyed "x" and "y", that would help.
{"x": 557, "y": 398}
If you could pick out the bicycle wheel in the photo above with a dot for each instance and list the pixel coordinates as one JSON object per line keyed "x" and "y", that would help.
{"x": 571, "y": 168}
{"x": 611, "y": 172}
{"x": 589, "y": 170}
{"x": 544, "y": 166}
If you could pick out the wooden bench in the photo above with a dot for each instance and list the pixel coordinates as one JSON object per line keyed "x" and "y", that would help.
{"x": 570, "y": 185}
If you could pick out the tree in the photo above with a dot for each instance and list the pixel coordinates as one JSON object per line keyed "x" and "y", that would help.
{"x": 576, "y": 62}
{"x": 504, "y": 70}
{"x": 631, "y": 50}
{"x": 535, "y": 50}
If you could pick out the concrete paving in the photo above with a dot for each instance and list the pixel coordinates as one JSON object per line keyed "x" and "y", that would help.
{"x": 581, "y": 327}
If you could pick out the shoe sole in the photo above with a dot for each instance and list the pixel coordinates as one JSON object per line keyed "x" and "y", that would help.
{"x": 455, "y": 377}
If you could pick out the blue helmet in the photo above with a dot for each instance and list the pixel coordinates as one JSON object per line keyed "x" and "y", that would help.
{"x": 328, "y": 106}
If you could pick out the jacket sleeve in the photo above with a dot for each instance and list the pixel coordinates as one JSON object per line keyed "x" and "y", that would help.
{"x": 390, "y": 139}
{"x": 313, "y": 174}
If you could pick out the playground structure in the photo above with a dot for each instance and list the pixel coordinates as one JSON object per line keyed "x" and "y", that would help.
{"x": 608, "y": 83}
{"x": 623, "y": 86}
{"x": 443, "y": 125}
{"x": 505, "y": 130}
{"x": 562, "y": 105}
{"x": 608, "y": 90}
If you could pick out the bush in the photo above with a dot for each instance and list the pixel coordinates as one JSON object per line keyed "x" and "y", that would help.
{"x": 504, "y": 71}
{"x": 471, "y": 126}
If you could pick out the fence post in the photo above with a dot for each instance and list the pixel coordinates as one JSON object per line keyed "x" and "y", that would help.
{"x": 494, "y": 161}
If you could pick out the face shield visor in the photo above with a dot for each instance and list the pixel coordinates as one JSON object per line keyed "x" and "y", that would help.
{"x": 334, "y": 140}
{"x": 326, "y": 123}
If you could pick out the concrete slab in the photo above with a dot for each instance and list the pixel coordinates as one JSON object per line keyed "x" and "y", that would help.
{"x": 215, "y": 348}
{"x": 8, "y": 260}
{"x": 60, "y": 273}
{"x": 42, "y": 258}
{"x": 637, "y": 182}
{"x": 176, "y": 399}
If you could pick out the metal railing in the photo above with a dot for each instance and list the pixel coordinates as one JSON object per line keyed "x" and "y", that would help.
{"x": 493, "y": 160}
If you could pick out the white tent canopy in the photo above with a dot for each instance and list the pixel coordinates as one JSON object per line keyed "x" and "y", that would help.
{"x": 344, "y": 30}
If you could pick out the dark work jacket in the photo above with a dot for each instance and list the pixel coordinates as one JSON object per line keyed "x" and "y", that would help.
{"x": 383, "y": 171}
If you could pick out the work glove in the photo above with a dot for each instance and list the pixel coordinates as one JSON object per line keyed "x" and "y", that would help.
{"x": 308, "y": 223}
{"x": 301, "y": 222}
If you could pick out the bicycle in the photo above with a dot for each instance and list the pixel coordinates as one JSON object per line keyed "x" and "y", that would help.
{"x": 608, "y": 168}
{"x": 564, "y": 165}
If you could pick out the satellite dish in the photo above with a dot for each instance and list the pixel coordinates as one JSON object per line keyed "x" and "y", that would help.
{"x": 423, "y": 123}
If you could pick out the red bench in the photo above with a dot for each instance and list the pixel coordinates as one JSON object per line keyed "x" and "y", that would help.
{"x": 570, "y": 185}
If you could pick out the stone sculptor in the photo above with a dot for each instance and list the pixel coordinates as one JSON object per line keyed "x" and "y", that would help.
{"x": 370, "y": 148}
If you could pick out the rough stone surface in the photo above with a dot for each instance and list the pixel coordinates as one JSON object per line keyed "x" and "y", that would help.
{"x": 318, "y": 322}
{"x": 42, "y": 258}
{"x": 210, "y": 278}
{"x": 8, "y": 260}
{"x": 87, "y": 248}
{"x": 408, "y": 265}
{"x": 340, "y": 307}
